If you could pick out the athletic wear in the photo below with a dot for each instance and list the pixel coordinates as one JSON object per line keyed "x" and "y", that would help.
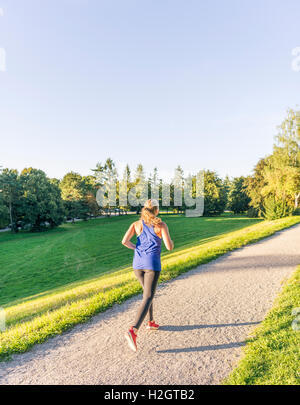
{"x": 152, "y": 326}
{"x": 148, "y": 280}
{"x": 131, "y": 339}
{"x": 147, "y": 251}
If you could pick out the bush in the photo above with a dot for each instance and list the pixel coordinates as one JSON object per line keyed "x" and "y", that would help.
{"x": 296, "y": 211}
{"x": 275, "y": 209}
{"x": 252, "y": 212}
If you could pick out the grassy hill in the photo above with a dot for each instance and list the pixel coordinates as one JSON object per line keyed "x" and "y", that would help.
{"x": 84, "y": 287}
{"x": 34, "y": 263}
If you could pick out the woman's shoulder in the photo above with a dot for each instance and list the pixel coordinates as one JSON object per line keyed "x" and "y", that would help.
{"x": 137, "y": 224}
{"x": 160, "y": 226}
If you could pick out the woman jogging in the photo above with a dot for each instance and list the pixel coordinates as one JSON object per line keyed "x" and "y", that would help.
{"x": 150, "y": 230}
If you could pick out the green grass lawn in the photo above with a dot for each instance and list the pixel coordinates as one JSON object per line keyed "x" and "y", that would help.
{"x": 35, "y": 263}
{"x": 33, "y": 319}
{"x": 272, "y": 354}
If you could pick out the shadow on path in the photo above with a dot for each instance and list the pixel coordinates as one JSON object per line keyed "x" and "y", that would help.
{"x": 179, "y": 328}
{"x": 202, "y": 348}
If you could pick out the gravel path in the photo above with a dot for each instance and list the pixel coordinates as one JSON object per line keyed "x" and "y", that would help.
{"x": 205, "y": 316}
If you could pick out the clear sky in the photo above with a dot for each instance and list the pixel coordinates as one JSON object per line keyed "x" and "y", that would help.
{"x": 198, "y": 83}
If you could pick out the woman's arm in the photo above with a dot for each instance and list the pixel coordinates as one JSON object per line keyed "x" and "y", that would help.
{"x": 128, "y": 235}
{"x": 166, "y": 237}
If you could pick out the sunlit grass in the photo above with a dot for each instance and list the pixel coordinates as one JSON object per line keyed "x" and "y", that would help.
{"x": 272, "y": 355}
{"x": 40, "y": 317}
{"x": 33, "y": 264}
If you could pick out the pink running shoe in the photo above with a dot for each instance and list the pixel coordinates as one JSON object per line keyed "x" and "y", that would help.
{"x": 152, "y": 325}
{"x": 131, "y": 339}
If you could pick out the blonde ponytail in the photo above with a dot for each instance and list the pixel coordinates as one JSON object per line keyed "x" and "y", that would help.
{"x": 149, "y": 212}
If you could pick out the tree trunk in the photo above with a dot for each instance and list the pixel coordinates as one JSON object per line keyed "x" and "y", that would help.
{"x": 297, "y": 200}
{"x": 14, "y": 227}
{"x": 11, "y": 218}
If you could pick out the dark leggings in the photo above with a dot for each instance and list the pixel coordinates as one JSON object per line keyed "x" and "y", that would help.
{"x": 148, "y": 279}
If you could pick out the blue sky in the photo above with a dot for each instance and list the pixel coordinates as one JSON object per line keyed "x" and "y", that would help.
{"x": 198, "y": 83}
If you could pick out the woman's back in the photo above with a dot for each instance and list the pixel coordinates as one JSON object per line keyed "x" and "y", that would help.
{"x": 148, "y": 249}
{"x": 138, "y": 227}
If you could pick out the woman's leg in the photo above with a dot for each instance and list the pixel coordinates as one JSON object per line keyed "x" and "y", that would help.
{"x": 140, "y": 276}
{"x": 150, "y": 279}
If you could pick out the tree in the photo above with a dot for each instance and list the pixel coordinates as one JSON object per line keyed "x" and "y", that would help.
{"x": 238, "y": 200}
{"x": 176, "y": 190}
{"x": 214, "y": 194}
{"x": 274, "y": 189}
{"x": 89, "y": 185}
{"x": 10, "y": 195}
{"x": 124, "y": 185}
{"x": 55, "y": 181}
{"x": 107, "y": 175}
{"x": 127, "y": 173}
{"x": 254, "y": 185}
{"x": 72, "y": 187}
{"x": 105, "y": 172}
{"x": 74, "y": 191}
{"x": 40, "y": 202}
{"x": 287, "y": 151}
{"x": 4, "y": 213}
{"x": 139, "y": 184}
{"x": 281, "y": 182}
{"x": 226, "y": 188}
{"x": 154, "y": 185}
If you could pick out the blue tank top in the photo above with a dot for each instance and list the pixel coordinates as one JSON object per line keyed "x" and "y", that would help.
{"x": 147, "y": 251}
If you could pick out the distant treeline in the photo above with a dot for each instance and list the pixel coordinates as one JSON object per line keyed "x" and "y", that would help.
{"x": 30, "y": 200}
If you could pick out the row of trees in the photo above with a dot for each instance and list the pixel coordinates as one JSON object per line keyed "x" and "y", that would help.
{"x": 31, "y": 200}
